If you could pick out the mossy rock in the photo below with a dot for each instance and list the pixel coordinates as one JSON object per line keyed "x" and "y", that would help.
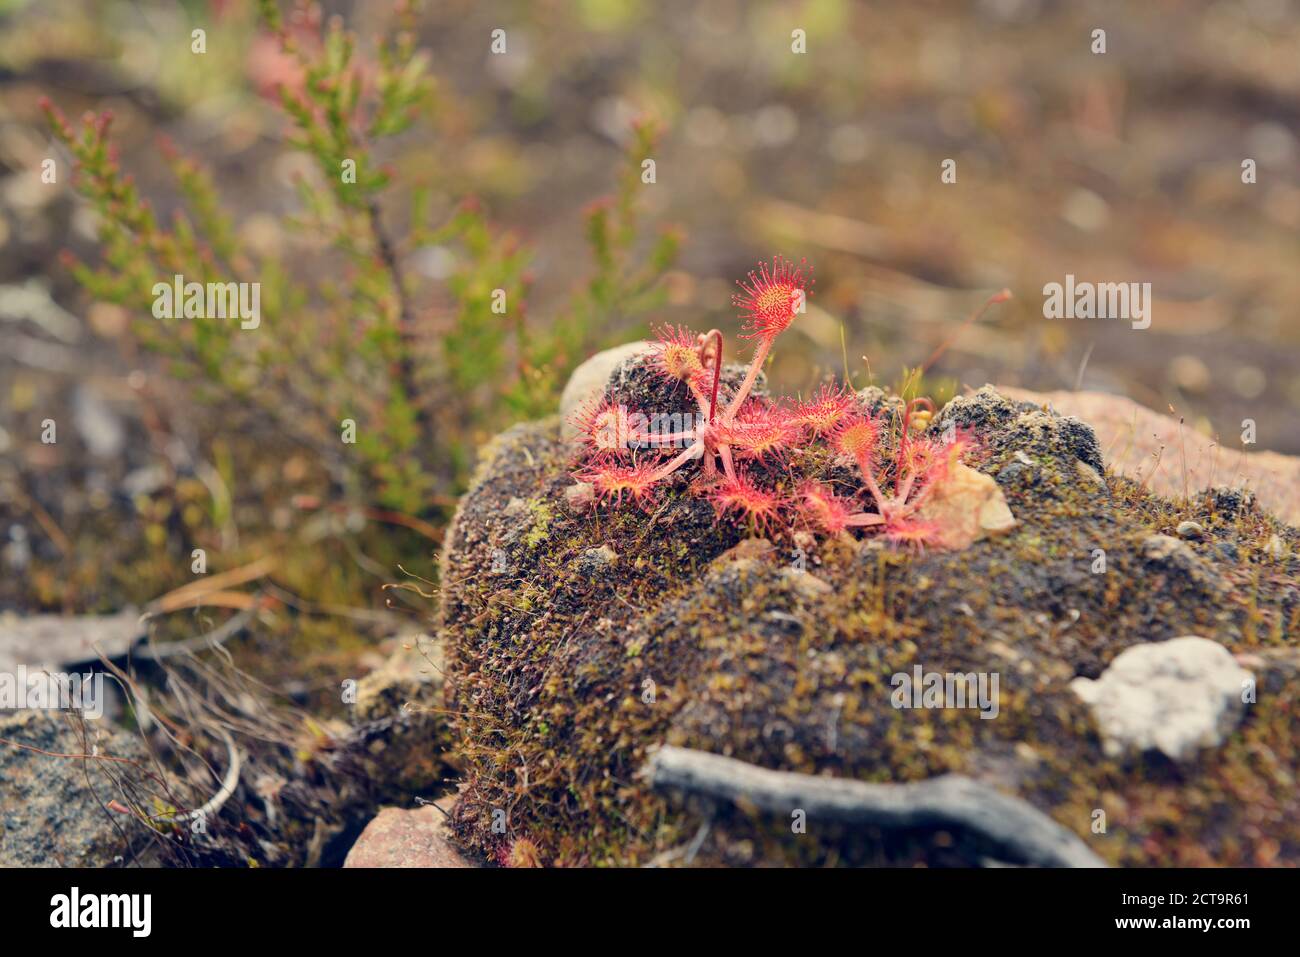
{"x": 577, "y": 641}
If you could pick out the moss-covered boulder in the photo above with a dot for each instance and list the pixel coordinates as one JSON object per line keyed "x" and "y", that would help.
{"x": 580, "y": 639}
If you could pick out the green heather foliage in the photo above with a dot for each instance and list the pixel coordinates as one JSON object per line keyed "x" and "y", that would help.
{"x": 353, "y": 336}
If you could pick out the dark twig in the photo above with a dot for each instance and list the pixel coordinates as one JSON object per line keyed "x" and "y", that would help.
{"x": 387, "y": 250}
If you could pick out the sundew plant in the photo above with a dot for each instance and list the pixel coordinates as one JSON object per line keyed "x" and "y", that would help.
{"x": 826, "y": 464}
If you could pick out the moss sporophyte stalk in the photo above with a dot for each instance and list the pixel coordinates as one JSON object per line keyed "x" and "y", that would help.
{"x": 756, "y": 456}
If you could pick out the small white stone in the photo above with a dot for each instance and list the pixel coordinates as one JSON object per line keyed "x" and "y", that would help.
{"x": 1275, "y": 547}
{"x": 593, "y": 558}
{"x": 1175, "y": 696}
{"x": 805, "y": 583}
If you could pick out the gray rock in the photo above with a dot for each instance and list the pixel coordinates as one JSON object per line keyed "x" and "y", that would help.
{"x": 53, "y": 809}
{"x": 1165, "y": 549}
{"x": 1171, "y": 556}
{"x": 1025, "y": 427}
{"x": 595, "y": 561}
{"x": 1175, "y": 696}
{"x": 579, "y": 496}
{"x": 59, "y": 641}
{"x": 408, "y": 680}
{"x": 756, "y": 660}
{"x": 806, "y": 584}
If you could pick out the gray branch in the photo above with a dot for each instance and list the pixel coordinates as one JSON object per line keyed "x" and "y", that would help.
{"x": 951, "y": 800}
{"x": 228, "y": 784}
{"x": 211, "y": 639}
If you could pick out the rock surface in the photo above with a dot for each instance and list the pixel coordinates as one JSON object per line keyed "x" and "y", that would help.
{"x": 53, "y": 810}
{"x": 409, "y": 679}
{"x": 1135, "y": 437}
{"x": 58, "y": 641}
{"x": 967, "y": 506}
{"x": 399, "y": 837}
{"x": 1176, "y": 697}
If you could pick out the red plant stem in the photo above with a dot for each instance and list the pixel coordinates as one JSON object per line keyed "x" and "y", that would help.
{"x": 904, "y": 485}
{"x": 903, "y": 437}
{"x": 865, "y": 518}
{"x": 993, "y": 300}
{"x": 864, "y": 466}
{"x": 755, "y": 366}
{"x": 717, "y": 369}
{"x": 728, "y": 465}
{"x": 694, "y": 451}
{"x": 666, "y": 438}
{"x": 920, "y": 495}
{"x": 901, "y": 493}
{"x": 700, "y": 399}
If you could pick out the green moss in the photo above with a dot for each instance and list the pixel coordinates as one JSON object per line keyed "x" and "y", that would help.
{"x": 542, "y": 515}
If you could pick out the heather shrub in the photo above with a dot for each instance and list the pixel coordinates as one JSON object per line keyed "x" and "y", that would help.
{"x": 355, "y": 356}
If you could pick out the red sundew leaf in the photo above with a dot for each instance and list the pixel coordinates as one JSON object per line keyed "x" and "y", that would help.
{"x": 760, "y": 431}
{"x": 741, "y": 495}
{"x": 615, "y": 481}
{"x": 676, "y": 355}
{"x": 823, "y": 509}
{"x": 856, "y": 436}
{"x": 772, "y": 297}
{"x": 606, "y": 428}
{"x": 823, "y": 412}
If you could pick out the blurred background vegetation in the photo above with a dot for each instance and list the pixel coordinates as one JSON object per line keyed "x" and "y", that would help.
{"x": 1116, "y": 167}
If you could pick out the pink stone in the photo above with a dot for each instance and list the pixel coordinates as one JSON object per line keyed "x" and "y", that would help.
{"x": 399, "y": 837}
